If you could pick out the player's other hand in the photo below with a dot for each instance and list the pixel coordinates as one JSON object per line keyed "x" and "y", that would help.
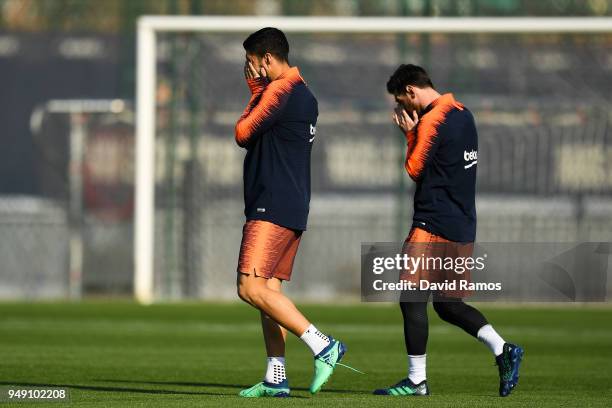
{"x": 405, "y": 121}
{"x": 251, "y": 73}
{"x": 249, "y": 70}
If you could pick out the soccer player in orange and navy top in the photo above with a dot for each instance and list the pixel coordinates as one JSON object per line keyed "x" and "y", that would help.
{"x": 278, "y": 129}
{"x": 441, "y": 158}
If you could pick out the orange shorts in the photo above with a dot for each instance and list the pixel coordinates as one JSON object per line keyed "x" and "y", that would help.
{"x": 424, "y": 244}
{"x": 268, "y": 250}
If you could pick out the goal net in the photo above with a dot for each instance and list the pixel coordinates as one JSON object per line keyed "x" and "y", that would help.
{"x": 538, "y": 88}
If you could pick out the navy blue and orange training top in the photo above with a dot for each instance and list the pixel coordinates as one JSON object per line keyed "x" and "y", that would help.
{"x": 441, "y": 158}
{"x": 278, "y": 129}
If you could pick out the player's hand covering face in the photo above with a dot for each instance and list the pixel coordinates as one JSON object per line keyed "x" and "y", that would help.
{"x": 404, "y": 120}
{"x": 253, "y": 69}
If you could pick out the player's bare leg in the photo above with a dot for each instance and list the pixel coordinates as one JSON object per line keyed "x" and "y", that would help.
{"x": 255, "y": 291}
{"x": 275, "y": 381}
{"x": 327, "y": 351}
{"x": 275, "y": 335}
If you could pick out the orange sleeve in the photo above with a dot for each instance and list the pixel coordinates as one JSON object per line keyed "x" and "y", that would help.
{"x": 411, "y": 139}
{"x": 423, "y": 141}
{"x": 263, "y": 108}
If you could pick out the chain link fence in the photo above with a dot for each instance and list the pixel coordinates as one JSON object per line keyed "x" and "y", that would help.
{"x": 545, "y": 148}
{"x": 77, "y": 236}
{"x": 540, "y": 104}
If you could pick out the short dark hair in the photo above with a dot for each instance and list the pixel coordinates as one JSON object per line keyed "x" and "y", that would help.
{"x": 266, "y": 40}
{"x": 408, "y": 74}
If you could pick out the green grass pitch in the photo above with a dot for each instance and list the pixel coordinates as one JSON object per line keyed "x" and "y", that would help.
{"x": 196, "y": 355}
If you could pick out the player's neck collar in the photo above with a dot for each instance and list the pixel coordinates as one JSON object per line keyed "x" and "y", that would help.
{"x": 444, "y": 99}
{"x": 291, "y": 73}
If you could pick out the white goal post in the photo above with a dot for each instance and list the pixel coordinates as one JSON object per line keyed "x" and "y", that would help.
{"x": 149, "y": 26}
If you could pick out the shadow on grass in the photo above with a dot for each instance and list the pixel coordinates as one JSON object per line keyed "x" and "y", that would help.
{"x": 222, "y": 385}
{"x": 106, "y": 389}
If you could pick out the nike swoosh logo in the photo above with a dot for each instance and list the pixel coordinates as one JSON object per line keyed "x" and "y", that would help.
{"x": 310, "y": 140}
{"x": 470, "y": 165}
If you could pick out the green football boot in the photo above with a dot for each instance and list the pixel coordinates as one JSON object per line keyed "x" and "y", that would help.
{"x": 405, "y": 388}
{"x": 325, "y": 362}
{"x": 265, "y": 389}
{"x": 508, "y": 363}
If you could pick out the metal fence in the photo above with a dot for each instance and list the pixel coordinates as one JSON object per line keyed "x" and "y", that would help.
{"x": 544, "y": 174}
{"x": 76, "y": 237}
{"x": 542, "y": 115}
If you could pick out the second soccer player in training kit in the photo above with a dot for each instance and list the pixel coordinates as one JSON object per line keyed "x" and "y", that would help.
{"x": 277, "y": 129}
{"x": 442, "y": 159}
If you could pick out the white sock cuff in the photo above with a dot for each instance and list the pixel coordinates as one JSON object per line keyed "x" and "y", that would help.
{"x": 491, "y": 339}
{"x": 314, "y": 339}
{"x": 417, "y": 368}
{"x": 308, "y": 329}
{"x": 276, "y": 360}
